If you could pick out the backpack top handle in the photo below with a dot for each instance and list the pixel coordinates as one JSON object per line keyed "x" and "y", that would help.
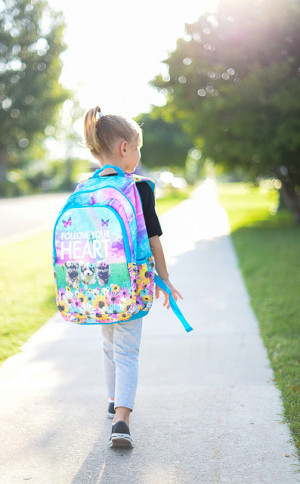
{"x": 116, "y": 168}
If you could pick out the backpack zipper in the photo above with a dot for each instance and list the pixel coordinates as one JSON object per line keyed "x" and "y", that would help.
{"x": 123, "y": 228}
{"x": 100, "y": 188}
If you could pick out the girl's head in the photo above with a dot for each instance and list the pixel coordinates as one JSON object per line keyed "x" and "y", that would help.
{"x": 113, "y": 139}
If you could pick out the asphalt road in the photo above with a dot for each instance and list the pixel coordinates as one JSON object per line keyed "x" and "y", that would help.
{"x": 26, "y": 215}
{"x": 207, "y": 410}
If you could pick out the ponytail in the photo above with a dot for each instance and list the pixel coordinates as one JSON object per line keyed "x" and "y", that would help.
{"x": 103, "y": 131}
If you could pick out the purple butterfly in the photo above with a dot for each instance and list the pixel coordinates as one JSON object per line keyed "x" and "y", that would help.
{"x": 68, "y": 222}
{"x": 104, "y": 222}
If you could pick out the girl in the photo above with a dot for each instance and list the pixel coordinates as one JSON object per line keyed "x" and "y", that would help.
{"x": 116, "y": 141}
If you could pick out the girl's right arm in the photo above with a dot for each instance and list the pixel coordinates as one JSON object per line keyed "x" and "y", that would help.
{"x": 161, "y": 268}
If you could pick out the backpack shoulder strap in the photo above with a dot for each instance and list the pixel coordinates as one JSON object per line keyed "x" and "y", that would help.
{"x": 157, "y": 279}
{"x": 139, "y": 178}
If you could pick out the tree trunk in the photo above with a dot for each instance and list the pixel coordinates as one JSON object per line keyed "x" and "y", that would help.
{"x": 281, "y": 202}
{"x": 291, "y": 198}
{"x": 3, "y": 170}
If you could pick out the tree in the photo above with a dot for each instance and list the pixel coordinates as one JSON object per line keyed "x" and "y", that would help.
{"x": 164, "y": 143}
{"x": 234, "y": 85}
{"x": 67, "y": 135}
{"x": 30, "y": 66}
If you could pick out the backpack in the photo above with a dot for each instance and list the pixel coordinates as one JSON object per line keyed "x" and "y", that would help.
{"x": 104, "y": 271}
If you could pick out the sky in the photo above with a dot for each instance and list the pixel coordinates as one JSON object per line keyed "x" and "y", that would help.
{"x": 115, "y": 47}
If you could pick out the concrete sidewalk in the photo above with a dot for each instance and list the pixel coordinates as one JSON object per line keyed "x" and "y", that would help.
{"x": 207, "y": 410}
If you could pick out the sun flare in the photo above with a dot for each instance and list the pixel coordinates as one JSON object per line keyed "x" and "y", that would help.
{"x": 117, "y": 47}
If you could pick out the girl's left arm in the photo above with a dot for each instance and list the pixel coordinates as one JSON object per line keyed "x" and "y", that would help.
{"x": 161, "y": 268}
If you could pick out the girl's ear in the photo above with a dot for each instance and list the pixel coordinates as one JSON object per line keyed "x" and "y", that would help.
{"x": 123, "y": 147}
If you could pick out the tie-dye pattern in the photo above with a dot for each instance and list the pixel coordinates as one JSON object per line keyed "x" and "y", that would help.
{"x": 103, "y": 266}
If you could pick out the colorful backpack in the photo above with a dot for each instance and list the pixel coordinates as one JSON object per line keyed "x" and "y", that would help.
{"x": 104, "y": 270}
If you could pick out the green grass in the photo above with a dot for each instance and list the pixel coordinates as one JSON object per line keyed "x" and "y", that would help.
{"x": 118, "y": 273}
{"x": 27, "y": 287}
{"x": 268, "y": 248}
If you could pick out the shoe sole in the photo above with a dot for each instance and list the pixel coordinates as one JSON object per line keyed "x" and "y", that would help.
{"x": 121, "y": 440}
{"x": 110, "y": 415}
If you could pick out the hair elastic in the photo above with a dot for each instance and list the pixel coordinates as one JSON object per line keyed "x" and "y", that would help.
{"x": 99, "y": 115}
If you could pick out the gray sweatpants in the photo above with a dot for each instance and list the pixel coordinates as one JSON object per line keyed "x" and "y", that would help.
{"x": 121, "y": 344}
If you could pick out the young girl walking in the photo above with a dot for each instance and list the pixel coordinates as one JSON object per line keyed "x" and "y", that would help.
{"x": 116, "y": 141}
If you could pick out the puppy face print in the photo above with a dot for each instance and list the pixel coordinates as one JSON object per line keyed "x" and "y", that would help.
{"x": 102, "y": 272}
{"x": 72, "y": 274}
{"x": 88, "y": 273}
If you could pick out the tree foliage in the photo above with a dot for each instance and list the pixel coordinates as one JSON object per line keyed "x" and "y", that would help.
{"x": 164, "y": 143}
{"x": 234, "y": 84}
{"x": 30, "y": 67}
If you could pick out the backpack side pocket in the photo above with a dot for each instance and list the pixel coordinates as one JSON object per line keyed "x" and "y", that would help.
{"x": 145, "y": 284}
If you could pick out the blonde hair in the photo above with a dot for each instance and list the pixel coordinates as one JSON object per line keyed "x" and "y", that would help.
{"x": 103, "y": 131}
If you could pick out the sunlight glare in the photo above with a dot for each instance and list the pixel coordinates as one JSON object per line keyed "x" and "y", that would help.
{"x": 115, "y": 48}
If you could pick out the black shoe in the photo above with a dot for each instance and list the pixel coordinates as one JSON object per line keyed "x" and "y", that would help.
{"x": 111, "y": 410}
{"x": 120, "y": 436}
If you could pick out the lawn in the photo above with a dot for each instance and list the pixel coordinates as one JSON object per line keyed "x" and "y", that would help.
{"x": 268, "y": 248}
{"x": 26, "y": 284}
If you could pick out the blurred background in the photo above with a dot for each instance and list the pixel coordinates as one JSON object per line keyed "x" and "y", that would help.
{"x": 214, "y": 84}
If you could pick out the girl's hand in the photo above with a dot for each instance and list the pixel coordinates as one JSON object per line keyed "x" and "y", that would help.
{"x": 174, "y": 291}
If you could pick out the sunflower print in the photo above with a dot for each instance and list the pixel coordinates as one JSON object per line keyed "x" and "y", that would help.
{"x": 115, "y": 287}
{"x": 124, "y": 316}
{"x": 63, "y": 307}
{"x": 100, "y": 302}
{"x": 80, "y": 295}
{"x": 79, "y": 318}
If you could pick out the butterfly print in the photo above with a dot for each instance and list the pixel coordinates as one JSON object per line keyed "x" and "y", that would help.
{"x": 68, "y": 222}
{"x": 104, "y": 222}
